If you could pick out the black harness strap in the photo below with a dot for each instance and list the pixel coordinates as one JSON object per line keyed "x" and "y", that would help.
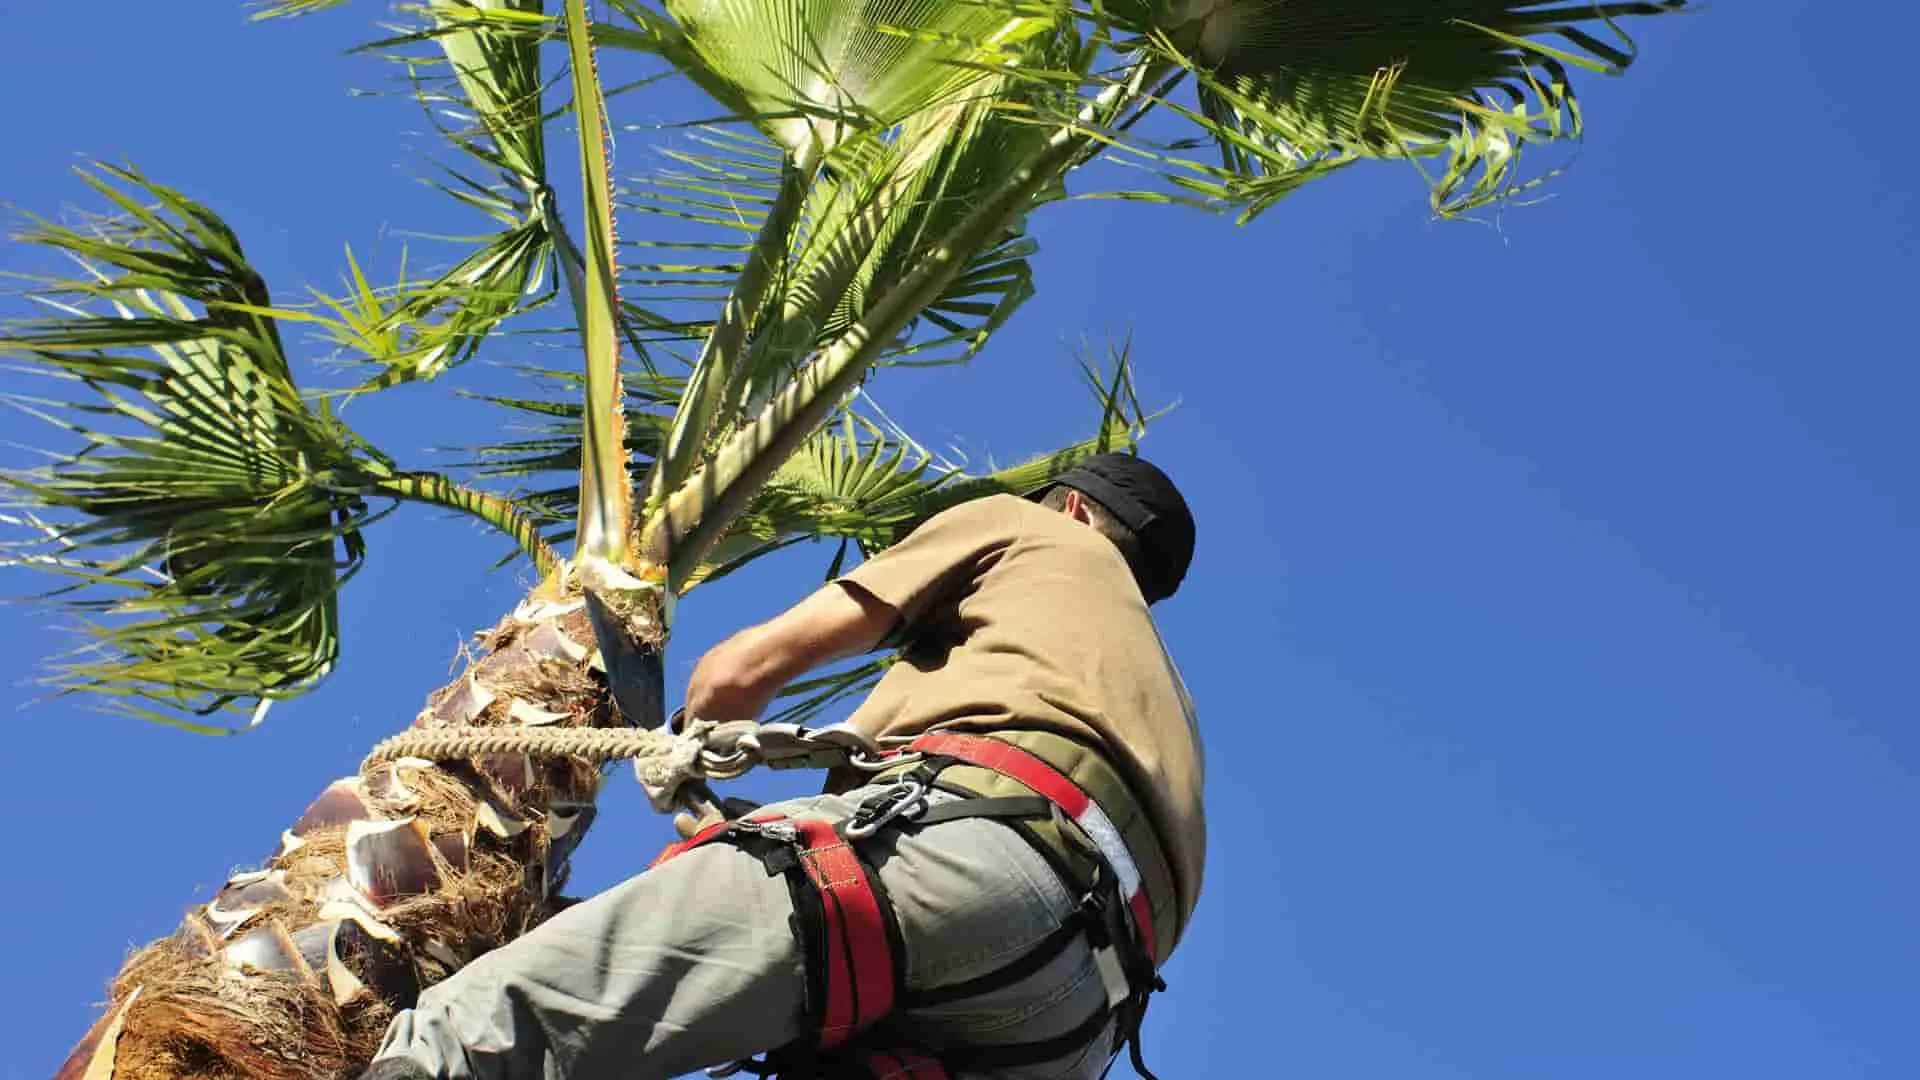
{"x": 1009, "y": 1056}
{"x": 1029, "y": 962}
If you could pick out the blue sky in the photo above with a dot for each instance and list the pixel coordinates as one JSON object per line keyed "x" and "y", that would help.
{"x": 1553, "y": 619}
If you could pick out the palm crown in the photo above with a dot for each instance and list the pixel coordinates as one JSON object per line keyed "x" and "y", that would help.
{"x": 857, "y": 198}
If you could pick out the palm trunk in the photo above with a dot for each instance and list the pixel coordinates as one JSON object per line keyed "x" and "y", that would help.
{"x": 390, "y": 881}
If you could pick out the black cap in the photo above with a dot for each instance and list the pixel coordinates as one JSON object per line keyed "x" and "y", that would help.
{"x": 1142, "y": 498}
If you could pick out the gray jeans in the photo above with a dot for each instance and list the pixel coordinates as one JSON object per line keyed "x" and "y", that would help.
{"x": 693, "y": 964}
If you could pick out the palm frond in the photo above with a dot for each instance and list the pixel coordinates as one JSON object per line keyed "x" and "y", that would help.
{"x": 418, "y": 330}
{"x": 478, "y": 82}
{"x": 493, "y": 47}
{"x": 870, "y": 482}
{"x": 717, "y": 369}
{"x": 200, "y": 529}
{"x": 813, "y": 73}
{"x": 971, "y": 148}
{"x": 282, "y": 9}
{"x": 203, "y": 528}
{"x": 879, "y": 210}
{"x": 1289, "y": 91}
{"x": 818, "y": 694}
{"x": 680, "y": 528}
{"x": 545, "y": 457}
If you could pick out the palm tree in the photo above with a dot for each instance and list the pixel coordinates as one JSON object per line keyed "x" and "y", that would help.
{"x": 862, "y": 202}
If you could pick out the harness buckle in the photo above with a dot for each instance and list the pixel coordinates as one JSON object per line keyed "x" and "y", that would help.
{"x": 907, "y": 797}
{"x": 779, "y": 830}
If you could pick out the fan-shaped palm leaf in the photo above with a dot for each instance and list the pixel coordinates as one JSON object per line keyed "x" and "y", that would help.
{"x": 815, "y": 72}
{"x": 210, "y": 515}
{"x": 202, "y": 500}
{"x": 1290, "y": 87}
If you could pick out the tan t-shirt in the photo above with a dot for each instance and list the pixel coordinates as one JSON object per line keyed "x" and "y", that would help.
{"x": 1017, "y": 616}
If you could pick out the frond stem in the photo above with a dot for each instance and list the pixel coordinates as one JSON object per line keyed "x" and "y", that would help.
{"x": 606, "y": 492}
{"x": 720, "y": 357}
{"x": 436, "y": 489}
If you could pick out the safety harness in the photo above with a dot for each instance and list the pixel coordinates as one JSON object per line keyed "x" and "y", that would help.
{"x": 851, "y": 941}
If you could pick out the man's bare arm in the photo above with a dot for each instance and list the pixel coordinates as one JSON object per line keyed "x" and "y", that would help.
{"x": 737, "y": 678}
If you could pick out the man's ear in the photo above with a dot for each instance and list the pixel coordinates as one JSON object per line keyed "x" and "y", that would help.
{"x": 1076, "y": 508}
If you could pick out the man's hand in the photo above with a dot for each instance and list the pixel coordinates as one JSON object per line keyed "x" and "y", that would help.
{"x": 737, "y": 678}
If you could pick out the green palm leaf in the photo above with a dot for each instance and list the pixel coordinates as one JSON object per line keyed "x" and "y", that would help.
{"x": 547, "y": 454}
{"x": 873, "y": 216}
{"x": 815, "y": 72}
{"x": 1289, "y": 90}
{"x": 210, "y": 516}
{"x": 866, "y": 480}
{"x": 493, "y": 47}
{"x": 200, "y": 524}
{"x": 480, "y": 85}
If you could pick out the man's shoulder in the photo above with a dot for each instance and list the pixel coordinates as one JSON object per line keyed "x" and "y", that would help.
{"x": 999, "y": 512}
{"x": 995, "y": 506}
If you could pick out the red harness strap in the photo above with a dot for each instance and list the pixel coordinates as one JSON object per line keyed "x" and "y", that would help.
{"x": 711, "y": 832}
{"x": 856, "y": 966}
{"x": 859, "y": 955}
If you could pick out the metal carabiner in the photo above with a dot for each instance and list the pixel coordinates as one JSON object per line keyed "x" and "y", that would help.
{"x": 908, "y": 796}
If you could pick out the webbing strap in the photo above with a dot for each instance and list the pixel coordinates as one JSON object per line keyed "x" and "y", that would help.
{"x": 859, "y": 976}
{"x": 711, "y": 832}
{"x": 1008, "y": 1056}
{"x": 1004, "y": 806}
{"x": 1031, "y": 770}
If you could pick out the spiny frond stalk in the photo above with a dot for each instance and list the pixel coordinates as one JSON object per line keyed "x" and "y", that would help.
{"x": 606, "y": 499}
{"x": 504, "y": 514}
{"x": 715, "y": 371}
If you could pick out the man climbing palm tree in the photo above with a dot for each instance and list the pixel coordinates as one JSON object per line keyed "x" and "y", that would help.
{"x": 994, "y": 901}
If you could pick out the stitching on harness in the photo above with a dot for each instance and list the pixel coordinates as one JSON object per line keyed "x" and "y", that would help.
{"x": 822, "y": 874}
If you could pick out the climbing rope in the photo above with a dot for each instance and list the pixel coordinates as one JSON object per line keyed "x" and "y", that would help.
{"x": 664, "y": 761}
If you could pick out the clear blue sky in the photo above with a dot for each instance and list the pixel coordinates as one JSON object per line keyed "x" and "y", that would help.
{"x": 1553, "y": 624}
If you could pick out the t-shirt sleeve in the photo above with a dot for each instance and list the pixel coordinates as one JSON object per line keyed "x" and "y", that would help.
{"x": 937, "y": 560}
